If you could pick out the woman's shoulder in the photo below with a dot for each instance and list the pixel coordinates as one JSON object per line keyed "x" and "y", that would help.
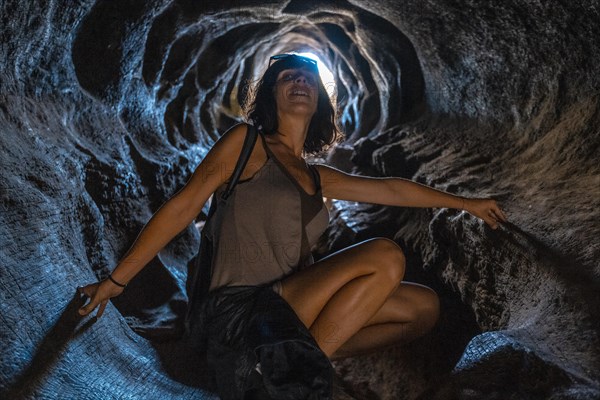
{"x": 232, "y": 141}
{"x": 230, "y": 146}
{"x": 227, "y": 148}
{"x": 235, "y": 134}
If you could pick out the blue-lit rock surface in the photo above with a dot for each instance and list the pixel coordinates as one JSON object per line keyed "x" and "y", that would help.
{"x": 106, "y": 107}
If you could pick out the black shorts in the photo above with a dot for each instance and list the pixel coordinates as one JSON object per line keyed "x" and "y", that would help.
{"x": 240, "y": 326}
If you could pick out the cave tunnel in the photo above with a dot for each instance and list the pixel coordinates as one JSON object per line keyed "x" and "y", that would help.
{"x": 107, "y": 107}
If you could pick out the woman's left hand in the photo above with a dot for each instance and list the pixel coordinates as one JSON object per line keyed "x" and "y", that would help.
{"x": 486, "y": 209}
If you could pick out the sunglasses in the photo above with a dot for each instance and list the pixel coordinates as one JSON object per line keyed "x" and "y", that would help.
{"x": 311, "y": 63}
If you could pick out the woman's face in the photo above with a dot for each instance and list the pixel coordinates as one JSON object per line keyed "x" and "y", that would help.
{"x": 296, "y": 91}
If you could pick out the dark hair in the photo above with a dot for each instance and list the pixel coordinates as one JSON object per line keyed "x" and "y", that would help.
{"x": 260, "y": 107}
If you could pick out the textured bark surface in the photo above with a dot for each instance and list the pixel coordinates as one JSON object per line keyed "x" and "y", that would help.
{"x": 106, "y": 107}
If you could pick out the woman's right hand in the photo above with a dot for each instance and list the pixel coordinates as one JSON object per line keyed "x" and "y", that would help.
{"x": 99, "y": 294}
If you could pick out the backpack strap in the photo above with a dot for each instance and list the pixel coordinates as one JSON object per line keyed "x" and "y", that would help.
{"x": 247, "y": 148}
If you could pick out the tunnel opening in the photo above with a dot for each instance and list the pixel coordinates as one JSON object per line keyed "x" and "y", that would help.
{"x": 196, "y": 69}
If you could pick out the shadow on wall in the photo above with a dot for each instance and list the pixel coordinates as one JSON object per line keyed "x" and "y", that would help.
{"x": 50, "y": 349}
{"x": 178, "y": 359}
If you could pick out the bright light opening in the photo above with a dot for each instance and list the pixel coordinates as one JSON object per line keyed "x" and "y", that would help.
{"x": 324, "y": 73}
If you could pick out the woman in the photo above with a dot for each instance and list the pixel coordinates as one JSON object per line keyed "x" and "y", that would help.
{"x": 351, "y": 302}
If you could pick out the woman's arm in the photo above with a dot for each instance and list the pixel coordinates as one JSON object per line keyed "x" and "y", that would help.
{"x": 401, "y": 192}
{"x": 172, "y": 217}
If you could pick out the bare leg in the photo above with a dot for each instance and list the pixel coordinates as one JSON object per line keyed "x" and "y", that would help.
{"x": 338, "y": 295}
{"x": 410, "y": 312}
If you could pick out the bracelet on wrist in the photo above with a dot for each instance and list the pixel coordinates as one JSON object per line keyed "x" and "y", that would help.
{"x": 115, "y": 282}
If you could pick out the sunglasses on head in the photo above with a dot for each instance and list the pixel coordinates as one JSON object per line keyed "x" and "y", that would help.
{"x": 311, "y": 63}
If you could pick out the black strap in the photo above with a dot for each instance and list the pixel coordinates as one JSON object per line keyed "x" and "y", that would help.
{"x": 247, "y": 148}
{"x": 316, "y": 175}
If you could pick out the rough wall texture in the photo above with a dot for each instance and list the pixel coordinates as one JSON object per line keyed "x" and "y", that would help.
{"x": 106, "y": 107}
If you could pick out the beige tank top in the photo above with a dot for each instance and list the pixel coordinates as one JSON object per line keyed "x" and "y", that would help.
{"x": 266, "y": 229}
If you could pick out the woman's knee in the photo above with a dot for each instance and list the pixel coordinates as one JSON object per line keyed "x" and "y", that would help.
{"x": 388, "y": 258}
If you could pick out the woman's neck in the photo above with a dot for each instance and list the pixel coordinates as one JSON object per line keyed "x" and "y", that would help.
{"x": 292, "y": 134}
